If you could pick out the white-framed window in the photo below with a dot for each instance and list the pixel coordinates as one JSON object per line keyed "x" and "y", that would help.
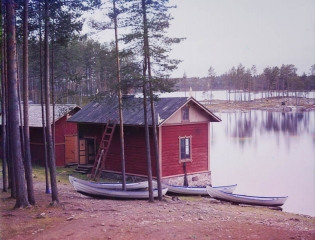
{"x": 185, "y": 113}
{"x": 185, "y": 154}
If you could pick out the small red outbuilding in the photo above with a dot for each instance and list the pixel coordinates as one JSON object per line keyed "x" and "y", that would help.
{"x": 183, "y": 127}
{"x": 65, "y": 134}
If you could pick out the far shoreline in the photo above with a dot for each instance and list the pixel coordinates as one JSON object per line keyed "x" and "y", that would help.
{"x": 274, "y": 104}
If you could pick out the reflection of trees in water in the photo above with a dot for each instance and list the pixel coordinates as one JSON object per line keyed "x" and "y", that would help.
{"x": 272, "y": 122}
{"x": 292, "y": 123}
{"x": 242, "y": 126}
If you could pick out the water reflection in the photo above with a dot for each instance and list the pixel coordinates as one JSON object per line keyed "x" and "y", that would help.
{"x": 243, "y": 126}
{"x": 267, "y": 153}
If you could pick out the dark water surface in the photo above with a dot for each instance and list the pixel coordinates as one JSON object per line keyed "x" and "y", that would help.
{"x": 267, "y": 154}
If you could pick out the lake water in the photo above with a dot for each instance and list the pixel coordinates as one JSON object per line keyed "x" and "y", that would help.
{"x": 267, "y": 154}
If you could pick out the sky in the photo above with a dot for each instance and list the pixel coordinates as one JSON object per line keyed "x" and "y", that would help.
{"x": 224, "y": 33}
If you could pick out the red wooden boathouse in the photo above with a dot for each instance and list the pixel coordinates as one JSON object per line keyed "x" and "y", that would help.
{"x": 65, "y": 134}
{"x": 183, "y": 127}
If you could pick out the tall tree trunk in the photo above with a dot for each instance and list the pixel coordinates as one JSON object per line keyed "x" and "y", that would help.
{"x": 121, "y": 121}
{"x": 21, "y": 198}
{"x": 153, "y": 114}
{"x": 50, "y": 148}
{"x": 27, "y": 150}
{"x": 8, "y": 152}
{"x": 147, "y": 135}
{"x": 11, "y": 182}
{"x": 42, "y": 85}
{"x": 3, "y": 107}
{"x": 53, "y": 89}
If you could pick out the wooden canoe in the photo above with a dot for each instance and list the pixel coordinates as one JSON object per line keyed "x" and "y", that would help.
{"x": 197, "y": 190}
{"x": 112, "y": 186}
{"x": 245, "y": 199}
{"x": 102, "y": 192}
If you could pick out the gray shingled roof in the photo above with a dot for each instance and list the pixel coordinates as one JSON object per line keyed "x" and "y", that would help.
{"x": 101, "y": 112}
{"x": 35, "y": 113}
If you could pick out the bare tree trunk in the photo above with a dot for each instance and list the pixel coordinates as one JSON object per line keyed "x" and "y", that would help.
{"x": 50, "y": 148}
{"x": 3, "y": 106}
{"x": 53, "y": 90}
{"x": 27, "y": 150}
{"x": 121, "y": 121}
{"x": 147, "y": 138}
{"x": 147, "y": 135}
{"x": 21, "y": 198}
{"x": 153, "y": 114}
{"x": 8, "y": 152}
{"x": 42, "y": 100}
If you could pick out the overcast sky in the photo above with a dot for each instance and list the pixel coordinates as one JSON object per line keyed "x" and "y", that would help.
{"x": 224, "y": 33}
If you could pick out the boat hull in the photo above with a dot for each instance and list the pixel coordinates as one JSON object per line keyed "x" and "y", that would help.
{"x": 245, "y": 199}
{"x": 102, "y": 192}
{"x": 112, "y": 186}
{"x": 197, "y": 190}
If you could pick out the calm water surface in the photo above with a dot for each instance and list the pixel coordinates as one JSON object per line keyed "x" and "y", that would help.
{"x": 267, "y": 154}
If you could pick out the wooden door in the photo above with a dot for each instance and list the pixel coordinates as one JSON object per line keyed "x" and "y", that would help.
{"x": 82, "y": 155}
{"x": 71, "y": 142}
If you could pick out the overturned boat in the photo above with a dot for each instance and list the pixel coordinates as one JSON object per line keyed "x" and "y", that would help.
{"x": 112, "y": 186}
{"x": 197, "y": 190}
{"x": 102, "y": 192}
{"x": 245, "y": 199}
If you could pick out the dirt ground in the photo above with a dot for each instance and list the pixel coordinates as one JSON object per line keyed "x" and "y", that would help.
{"x": 82, "y": 217}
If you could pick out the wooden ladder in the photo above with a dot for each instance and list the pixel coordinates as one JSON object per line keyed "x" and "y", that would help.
{"x": 99, "y": 162}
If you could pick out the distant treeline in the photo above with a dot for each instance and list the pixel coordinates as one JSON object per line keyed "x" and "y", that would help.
{"x": 283, "y": 79}
{"x": 84, "y": 68}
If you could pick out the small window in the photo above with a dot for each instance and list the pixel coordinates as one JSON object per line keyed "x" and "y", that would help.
{"x": 185, "y": 149}
{"x": 185, "y": 113}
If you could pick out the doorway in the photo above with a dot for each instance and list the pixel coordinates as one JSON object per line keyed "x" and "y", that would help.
{"x": 87, "y": 151}
{"x": 90, "y": 150}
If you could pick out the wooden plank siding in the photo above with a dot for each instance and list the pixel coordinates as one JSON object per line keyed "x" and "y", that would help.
{"x": 170, "y": 148}
{"x": 36, "y": 135}
{"x": 37, "y": 144}
{"x": 135, "y": 151}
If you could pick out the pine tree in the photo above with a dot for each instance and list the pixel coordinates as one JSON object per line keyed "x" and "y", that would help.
{"x": 148, "y": 21}
{"x": 14, "y": 132}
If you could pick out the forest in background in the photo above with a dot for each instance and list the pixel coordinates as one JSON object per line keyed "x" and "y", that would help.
{"x": 274, "y": 81}
{"x": 84, "y": 68}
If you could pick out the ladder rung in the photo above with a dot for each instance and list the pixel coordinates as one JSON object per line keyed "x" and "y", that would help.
{"x": 104, "y": 145}
{"x": 103, "y": 148}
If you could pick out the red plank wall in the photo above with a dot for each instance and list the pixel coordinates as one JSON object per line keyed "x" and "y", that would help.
{"x": 62, "y": 128}
{"x": 37, "y": 147}
{"x": 170, "y": 148}
{"x": 135, "y": 150}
